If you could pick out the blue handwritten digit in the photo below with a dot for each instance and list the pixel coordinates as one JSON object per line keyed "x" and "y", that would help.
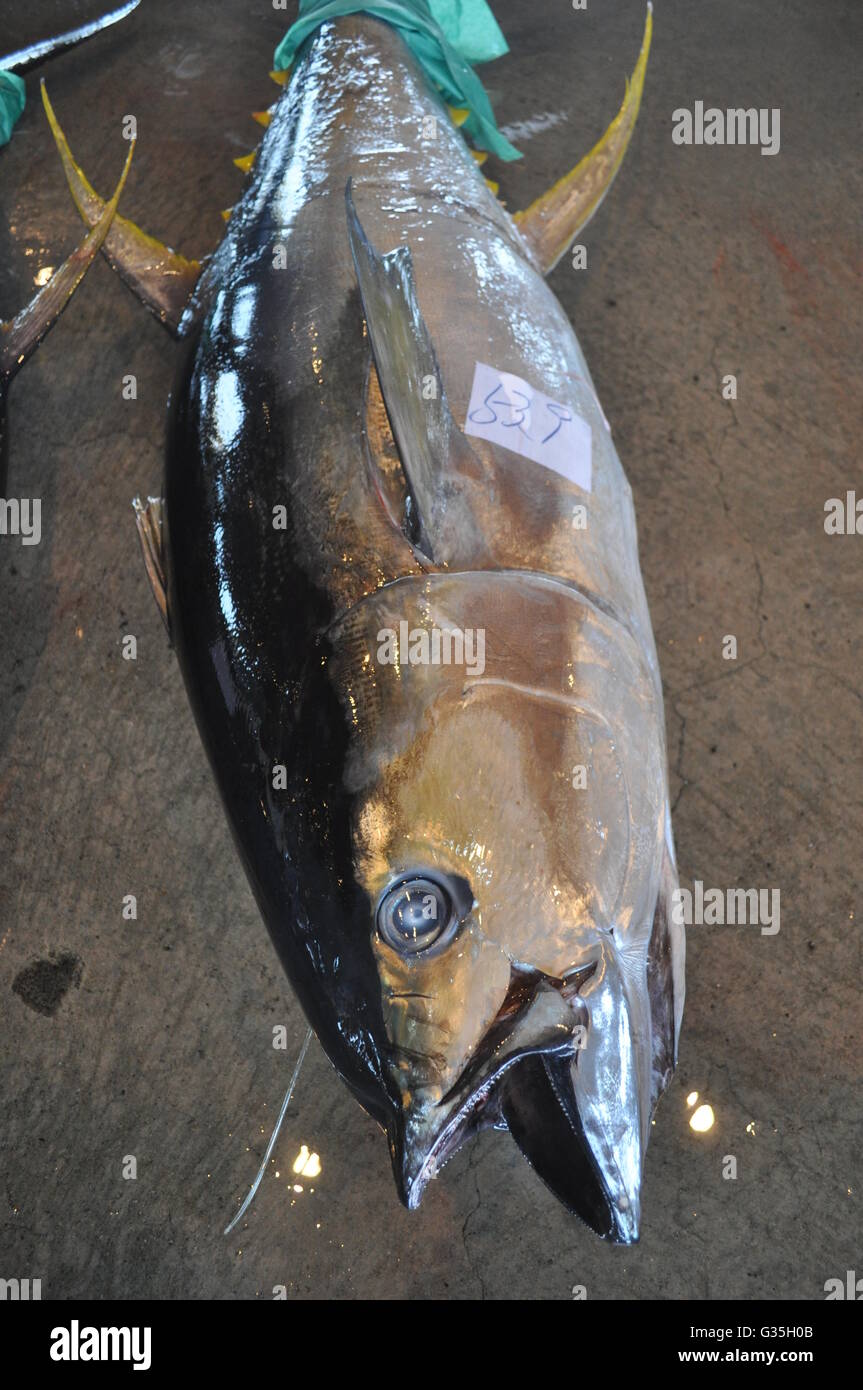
{"x": 562, "y": 419}
{"x": 475, "y": 414}
{"x": 520, "y": 411}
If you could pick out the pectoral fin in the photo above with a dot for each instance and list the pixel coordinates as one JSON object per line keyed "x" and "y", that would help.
{"x": 442, "y": 471}
{"x": 148, "y": 519}
{"x": 551, "y": 224}
{"x": 161, "y": 278}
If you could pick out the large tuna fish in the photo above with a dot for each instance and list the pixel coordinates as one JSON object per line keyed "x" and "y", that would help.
{"x": 400, "y": 571}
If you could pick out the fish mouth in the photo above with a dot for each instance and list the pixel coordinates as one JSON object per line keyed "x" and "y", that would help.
{"x": 524, "y": 1077}
{"x": 539, "y": 1014}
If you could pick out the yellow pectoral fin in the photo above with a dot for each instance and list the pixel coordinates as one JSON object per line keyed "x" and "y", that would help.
{"x": 551, "y": 224}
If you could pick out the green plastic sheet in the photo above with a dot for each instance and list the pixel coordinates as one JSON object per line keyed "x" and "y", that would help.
{"x": 446, "y": 36}
{"x": 11, "y": 103}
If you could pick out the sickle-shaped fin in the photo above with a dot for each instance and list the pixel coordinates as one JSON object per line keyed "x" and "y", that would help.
{"x": 162, "y": 279}
{"x": 442, "y": 471}
{"x": 148, "y": 520}
{"x": 24, "y": 58}
{"x": 551, "y": 224}
{"x": 20, "y": 338}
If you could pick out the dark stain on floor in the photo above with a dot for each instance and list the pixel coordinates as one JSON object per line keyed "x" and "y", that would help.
{"x": 44, "y": 984}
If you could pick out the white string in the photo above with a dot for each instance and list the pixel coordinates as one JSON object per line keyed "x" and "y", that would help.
{"x": 273, "y": 1137}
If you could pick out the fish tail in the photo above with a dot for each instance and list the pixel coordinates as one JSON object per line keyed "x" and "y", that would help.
{"x": 161, "y": 278}
{"x": 446, "y": 39}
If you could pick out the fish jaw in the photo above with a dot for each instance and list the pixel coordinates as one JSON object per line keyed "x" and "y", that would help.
{"x": 538, "y": 1017}
{"x": 583, "y": 1124}
{"x": 566, "y": 1080}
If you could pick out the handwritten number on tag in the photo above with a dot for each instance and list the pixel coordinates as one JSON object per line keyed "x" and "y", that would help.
{"x": 561, "y": 415}
{"x": 493, "y": 404}
{"x": 511, "y": 412}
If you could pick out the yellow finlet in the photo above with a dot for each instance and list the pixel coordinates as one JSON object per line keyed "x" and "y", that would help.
{"x": 262, "y": 117}
{"x": 495, "y": 187}
{"x": 226, "y": 214}
{"x": 480, "y": 156}
{"x": 459, "y": 114}
{"x": 280, "y": 78}
{"x": 246, "y": 161}
{"x": 553, "y": 221}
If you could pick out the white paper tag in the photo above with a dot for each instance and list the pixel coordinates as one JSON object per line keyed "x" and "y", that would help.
{"x": 506, "y": 410}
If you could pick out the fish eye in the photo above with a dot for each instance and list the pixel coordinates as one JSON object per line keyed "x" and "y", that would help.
{"x": 416, "y": 913}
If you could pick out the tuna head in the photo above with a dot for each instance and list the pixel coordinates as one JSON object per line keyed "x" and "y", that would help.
{"x": 505, "y": 773}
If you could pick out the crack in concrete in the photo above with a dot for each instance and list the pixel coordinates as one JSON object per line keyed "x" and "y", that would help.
{"x": 475, "y": 1270}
